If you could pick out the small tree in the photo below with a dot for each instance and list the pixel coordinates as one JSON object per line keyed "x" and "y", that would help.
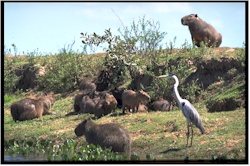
{"x": 131, "y": 52}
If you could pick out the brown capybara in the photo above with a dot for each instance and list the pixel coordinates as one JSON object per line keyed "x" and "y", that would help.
{"x": 110, "y": 102}
{"x": 105, "y": 105}
{"x": 201, "y": 31}
{"x": 161, "y": 105}
{"x": 117, "y": 93}
{"x": 142, "y": 108}
{"x": 77, "y": 101}
{"x": 27, "y": 108}
{"x": 87, "y": 104}
{"x": 86, "y": 83}
{"x": 79, "y": 96}
{"x": 100, "y": 109}
{"x": 132, "y": 99}
{"x": 109, "y": 135}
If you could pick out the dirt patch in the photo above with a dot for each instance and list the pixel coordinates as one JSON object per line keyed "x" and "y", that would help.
{"x": 221, "y": 50}
{"x": 62, "y": 130}
{"x": 209, "y": 71}
{"x": 232, "y": 143}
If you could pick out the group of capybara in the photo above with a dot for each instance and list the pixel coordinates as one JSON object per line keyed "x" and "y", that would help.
{"x": 88, "y": 100}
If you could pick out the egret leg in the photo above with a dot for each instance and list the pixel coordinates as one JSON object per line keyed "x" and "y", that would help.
{"x": 192, "y": 135}
{"x": 187, "y": 134}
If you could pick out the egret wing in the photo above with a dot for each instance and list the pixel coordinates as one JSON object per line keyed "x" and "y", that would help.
{"x": 192, "y": 115}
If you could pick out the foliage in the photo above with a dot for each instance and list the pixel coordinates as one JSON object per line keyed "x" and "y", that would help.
{"x": 192, "y": 91}
{"x": 125, "y": 52}
{"x": 65, "y": 72}
{"x": 65, "y": 150}
{"x": 10, "y": 78}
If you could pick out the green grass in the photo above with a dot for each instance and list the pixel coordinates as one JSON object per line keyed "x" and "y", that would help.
{"x": 155, "y": 135}
{"x": 233, "y": 92}
{"x": 161, "y": 135}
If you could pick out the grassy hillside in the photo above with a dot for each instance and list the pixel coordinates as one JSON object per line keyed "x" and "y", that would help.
{"x": 155, "y": 135}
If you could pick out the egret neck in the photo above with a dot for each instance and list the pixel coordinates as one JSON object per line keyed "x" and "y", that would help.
{"x": 177, "y": 95}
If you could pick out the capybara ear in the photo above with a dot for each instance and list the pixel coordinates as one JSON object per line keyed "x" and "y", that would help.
{"x": 196, "y": 15}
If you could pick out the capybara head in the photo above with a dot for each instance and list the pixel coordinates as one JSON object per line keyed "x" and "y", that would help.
{"x": 189, "y": 19}
{"x": 80, "y": 129}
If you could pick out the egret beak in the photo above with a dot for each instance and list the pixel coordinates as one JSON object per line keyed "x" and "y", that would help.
{"x": 162, "y": 76}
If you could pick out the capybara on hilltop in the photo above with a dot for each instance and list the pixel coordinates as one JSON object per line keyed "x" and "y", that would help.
{"x": 201, "y": 31}
{"x": 28, "y": 108}
{"x": 109, "y": 135}
{"x": 161, "y": 105}
{"x": 132, "y": 99}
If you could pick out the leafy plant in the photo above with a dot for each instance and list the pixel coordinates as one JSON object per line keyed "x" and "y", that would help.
{"x": 67, "y": 150}
{"x": 10, "y": 78}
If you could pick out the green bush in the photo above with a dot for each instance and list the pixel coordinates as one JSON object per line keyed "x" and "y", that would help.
{"x": 10, "y": 78}
{"x": 65, "y": 72}
{"x": 63, "y": 150}
{"x": 137, "y": 48}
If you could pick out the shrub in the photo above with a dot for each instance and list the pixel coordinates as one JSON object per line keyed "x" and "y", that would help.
{"x": 63, "y": 150}
{"x": 10, "y": 78}
{"x": 132, "y": 52}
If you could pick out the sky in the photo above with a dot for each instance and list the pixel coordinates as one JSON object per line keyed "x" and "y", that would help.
{"x": 48, "y": 27}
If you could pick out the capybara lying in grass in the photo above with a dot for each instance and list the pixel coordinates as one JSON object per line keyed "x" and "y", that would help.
{"x": 79, "y": 97}
{"x": 105, "y": 105}
{"x": 87, "y": 104}
{"x": 28, "y": 108}
{"x": 109, "y": 135}
{"x": 161, "y": 105}
{"x": 201, "y": 31}
{"x": 132, "y": 99}
{"x": 142, "y": 108}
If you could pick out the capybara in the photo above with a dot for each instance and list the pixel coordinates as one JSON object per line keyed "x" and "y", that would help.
{"x": 79, "y": 96}
{"x": 77, "y": 101}
{"x": 100, "y": 109}
{"x": 161, "y": 105}
{"x": 105, "y": 105}
{"x": 27, "y": 108}
{"x": 132, "y": 99}
{"x": 109, "y": 135}
{"x": 201, "y": 31}
{"x": 87, "y": 84}
{"x": 117, "y": 93}
{"x": 87, "y": 104}
{"x": 110, "y": 102}
{"x": 142, "y": 108}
